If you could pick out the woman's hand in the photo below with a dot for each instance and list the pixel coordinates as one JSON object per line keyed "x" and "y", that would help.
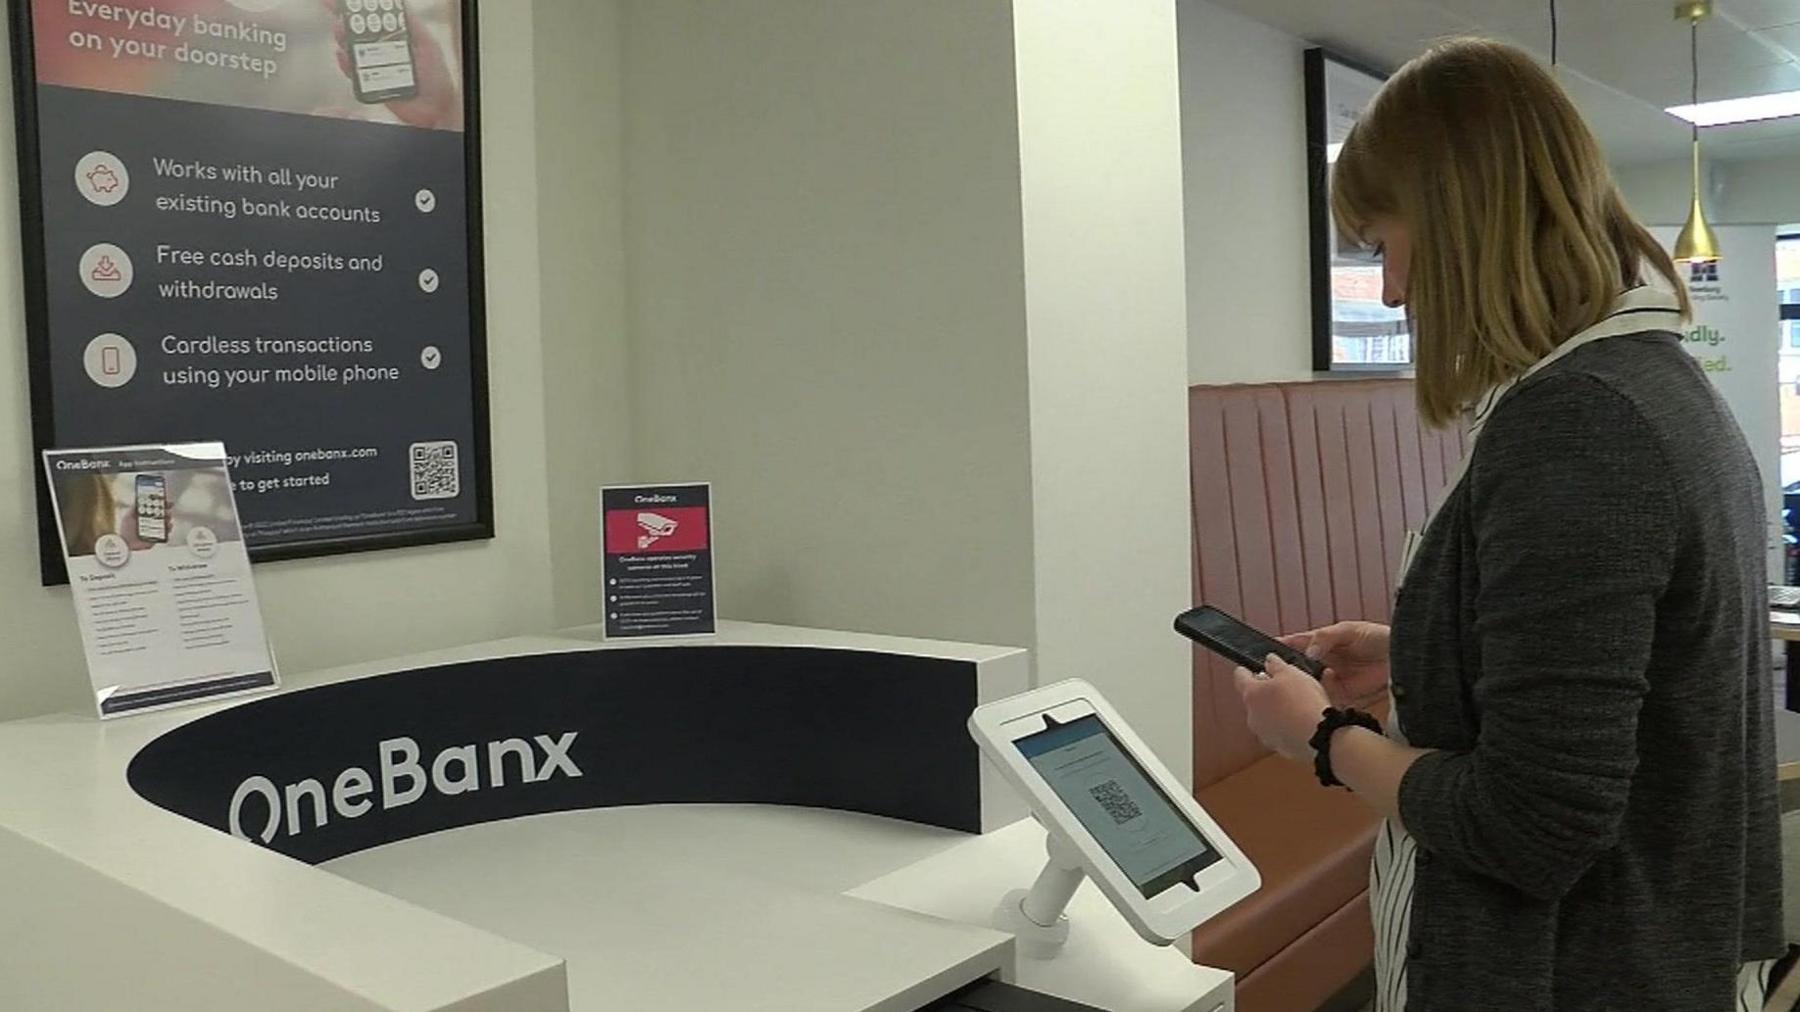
{"x": 1355, "y": 655}
{"x": 1283, "y": 707}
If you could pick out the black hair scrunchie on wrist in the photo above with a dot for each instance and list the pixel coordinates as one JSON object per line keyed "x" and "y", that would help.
{"x": 1334, "y": 719}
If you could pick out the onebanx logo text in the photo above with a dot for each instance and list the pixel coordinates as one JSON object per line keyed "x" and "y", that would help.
{"x": 404, "y": 780}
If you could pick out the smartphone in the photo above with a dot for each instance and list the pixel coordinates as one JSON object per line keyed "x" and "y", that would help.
{"x": 381, "y": 50}
{"x": 1239, "y": 643}
{"x": 152, "y": 509}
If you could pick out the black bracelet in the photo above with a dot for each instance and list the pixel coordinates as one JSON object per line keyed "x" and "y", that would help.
{"x": 1321, "y": 740}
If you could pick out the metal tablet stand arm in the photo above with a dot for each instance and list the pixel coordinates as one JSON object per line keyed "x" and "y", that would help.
{"x": 1035, "y": 916}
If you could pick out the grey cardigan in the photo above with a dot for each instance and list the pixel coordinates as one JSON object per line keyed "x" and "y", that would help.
{"x": 1582, "y": 638}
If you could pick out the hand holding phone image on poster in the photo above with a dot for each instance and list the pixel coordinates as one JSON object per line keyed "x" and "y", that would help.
{"x": 378, "y": 60}
{"x": 257, "y": 220}
{"x": 161, "y": 580}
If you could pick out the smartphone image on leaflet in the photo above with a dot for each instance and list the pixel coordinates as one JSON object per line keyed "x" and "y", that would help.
{"x": 1130, "y": 817}
{"x": 379, "y": 41}
{"x": 152, "y": 508}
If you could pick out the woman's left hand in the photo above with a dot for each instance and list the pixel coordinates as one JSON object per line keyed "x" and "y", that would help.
{"x": 1284, "y": 708}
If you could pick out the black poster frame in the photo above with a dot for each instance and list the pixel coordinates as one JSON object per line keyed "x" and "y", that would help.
{"x": 1318, "y": 194}
{"x": 1789, "y": 310}
{"x": 37, "y": 315}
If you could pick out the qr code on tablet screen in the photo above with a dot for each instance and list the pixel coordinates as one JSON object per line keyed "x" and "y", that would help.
{"x": 434, "y": 471}
{"x": 1117, "y": 803}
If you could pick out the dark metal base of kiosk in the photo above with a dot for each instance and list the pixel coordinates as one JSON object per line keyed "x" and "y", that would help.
{"x": 993, "y": 996}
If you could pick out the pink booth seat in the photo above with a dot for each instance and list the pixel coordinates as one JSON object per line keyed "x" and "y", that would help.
{"x": 1303, "y": 493}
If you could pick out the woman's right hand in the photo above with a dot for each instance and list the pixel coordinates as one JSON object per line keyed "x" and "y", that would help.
{"x": 1355, "y": 655}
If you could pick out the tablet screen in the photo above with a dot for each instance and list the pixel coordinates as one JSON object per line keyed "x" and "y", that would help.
{"x": 1134, "y": 821}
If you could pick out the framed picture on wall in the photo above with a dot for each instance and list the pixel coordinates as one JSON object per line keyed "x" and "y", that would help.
{"x": 259, "y": 224}
{"x": 1352, "y": 330}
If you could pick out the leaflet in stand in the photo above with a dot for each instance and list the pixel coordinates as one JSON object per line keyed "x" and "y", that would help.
{"x": 160, "y": 576}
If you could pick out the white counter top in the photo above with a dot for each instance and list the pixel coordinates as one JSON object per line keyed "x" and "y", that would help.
{"x": 678, "y": 908}
{"x": 113, "y": 899}
{"x": 1104, "y": 962}
{"x": 113, "y": 902}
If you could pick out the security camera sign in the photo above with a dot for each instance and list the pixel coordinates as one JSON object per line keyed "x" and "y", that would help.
{"x": 656, "y": 543}
{"x": 656, "y": 527}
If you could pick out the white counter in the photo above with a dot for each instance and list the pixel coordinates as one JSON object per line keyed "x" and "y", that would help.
{"x": 112, "y": 902}
{"x": 678, "y": 908}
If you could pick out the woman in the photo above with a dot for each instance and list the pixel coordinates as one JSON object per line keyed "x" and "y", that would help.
{"x": 1581, "y": 808}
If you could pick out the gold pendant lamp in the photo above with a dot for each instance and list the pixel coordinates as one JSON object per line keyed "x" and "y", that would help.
{"x": 1697, "y": 244}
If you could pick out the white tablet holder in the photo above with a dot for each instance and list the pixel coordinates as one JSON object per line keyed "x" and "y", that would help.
{"x": 1035, "y": 916}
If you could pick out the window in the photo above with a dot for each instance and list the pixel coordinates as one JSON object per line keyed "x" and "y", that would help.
{"x": 1787, "y": 291}
{"x": 1787, "y": 295}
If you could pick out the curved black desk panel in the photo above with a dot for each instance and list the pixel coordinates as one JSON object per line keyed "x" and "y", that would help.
{"x": 322, "y": 772}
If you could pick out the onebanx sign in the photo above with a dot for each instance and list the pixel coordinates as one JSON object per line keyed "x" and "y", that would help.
{"x": 322, "y": 772}
{"x": 403, "y": 778}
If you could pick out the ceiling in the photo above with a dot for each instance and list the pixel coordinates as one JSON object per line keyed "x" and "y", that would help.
{"x": 1623, "y": 60}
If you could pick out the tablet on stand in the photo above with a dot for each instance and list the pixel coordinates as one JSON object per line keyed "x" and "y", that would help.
{"x": 1115, "y": 815}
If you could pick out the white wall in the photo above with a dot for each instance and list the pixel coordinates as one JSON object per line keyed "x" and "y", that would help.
{"x": 1747, "y": 192}
{"x": 827, "y": 320}
{"x": 1101, "y": 173}
{"x": 1659, "y": 192}
{"x": 582, "y": 272}
{"x": 793, "y": 261}
{"x": 1244, "y": 149}
{"x": 1761, "y": 191}
{"x": 907, "y": 285}
{"x": 330, "y": 611}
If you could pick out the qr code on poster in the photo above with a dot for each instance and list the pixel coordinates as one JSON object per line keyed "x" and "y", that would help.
{"x": 434, "y": 471}
{"x": 1117, "y": 803}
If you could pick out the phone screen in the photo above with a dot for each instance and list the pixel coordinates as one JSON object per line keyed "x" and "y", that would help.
{"x": 1131, "y": 818}
{"x": 152, "y": 508}
{"x": 1239, "y": 643}
{"x": 380, "y": 45}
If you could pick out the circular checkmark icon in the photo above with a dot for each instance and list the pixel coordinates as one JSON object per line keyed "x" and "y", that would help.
{"x": 431, "y": 357}
{"x": 428, "y": 281}
{"x": 425, "y": 201}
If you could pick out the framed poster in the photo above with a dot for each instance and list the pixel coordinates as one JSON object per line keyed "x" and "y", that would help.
{"x": 257, "y": 222}
{"x": 1352, "y": 330}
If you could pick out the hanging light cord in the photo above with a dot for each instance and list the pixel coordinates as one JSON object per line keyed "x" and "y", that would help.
{"x": 1694, "y": 62}
{"x": 1553, "y": 33}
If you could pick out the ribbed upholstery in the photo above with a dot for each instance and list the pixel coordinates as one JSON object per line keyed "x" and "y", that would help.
{"x": 1303, "y": 493}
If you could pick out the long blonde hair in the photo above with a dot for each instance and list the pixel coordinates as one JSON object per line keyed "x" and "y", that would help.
{"x": 1519, "y": 236}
